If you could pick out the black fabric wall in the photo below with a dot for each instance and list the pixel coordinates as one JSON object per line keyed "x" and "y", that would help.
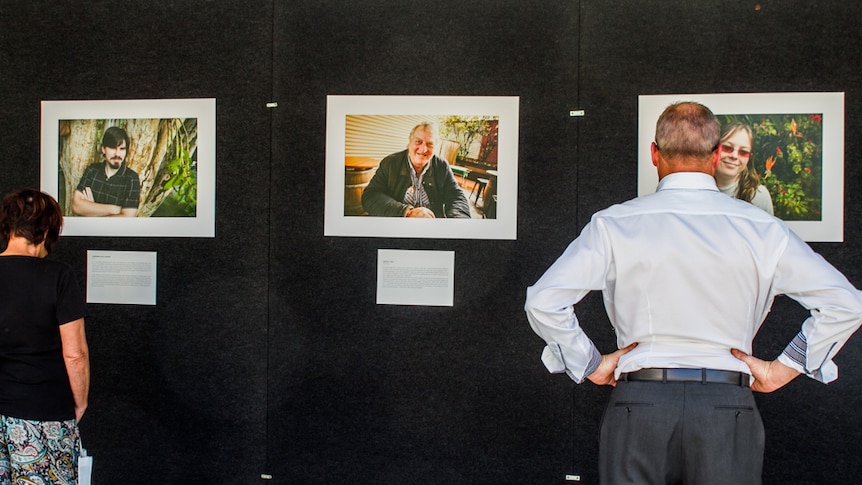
{"x": 266, "y": 353}
{"x": 178, "y": 390}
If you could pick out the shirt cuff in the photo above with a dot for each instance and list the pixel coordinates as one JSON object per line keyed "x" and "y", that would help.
{"x": 795, "y": 356}
{"x": 595, "y": 361}
{"x": 796, "y": 350}
{"x": 552, "y": 357}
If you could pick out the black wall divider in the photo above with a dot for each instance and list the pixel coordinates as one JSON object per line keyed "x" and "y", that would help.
{"x": 267, "y": 360}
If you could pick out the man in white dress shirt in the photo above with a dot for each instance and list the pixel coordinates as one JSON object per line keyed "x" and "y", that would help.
{"x": 688, "y": 275}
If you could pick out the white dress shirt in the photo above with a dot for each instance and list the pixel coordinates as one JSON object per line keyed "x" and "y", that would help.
{"x": 689, "y": 273}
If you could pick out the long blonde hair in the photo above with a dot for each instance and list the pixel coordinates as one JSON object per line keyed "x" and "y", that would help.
{"x": 749, "y": 180}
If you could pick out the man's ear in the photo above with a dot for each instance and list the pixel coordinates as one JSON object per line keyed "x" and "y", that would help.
{"x": 661, "y": 165}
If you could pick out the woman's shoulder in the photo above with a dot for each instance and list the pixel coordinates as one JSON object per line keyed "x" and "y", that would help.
{"x": 762, "y": 193}
{"x": 33, "y": 262}
{"x": 762, "y": 199}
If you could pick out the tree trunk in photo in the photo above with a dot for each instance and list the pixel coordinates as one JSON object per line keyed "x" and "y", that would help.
{"x": 79, "y": 147}
{"x": 166, "y": 144}
{"x": 149, "y": 145}
{"x": 154, "y": 144}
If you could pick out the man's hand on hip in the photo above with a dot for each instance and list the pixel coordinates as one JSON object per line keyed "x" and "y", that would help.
{"x": 604, "y": 375}
{"x": 768, "y": 375}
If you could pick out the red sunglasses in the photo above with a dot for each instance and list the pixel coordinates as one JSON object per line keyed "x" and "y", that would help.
{"x": 743, "y": 153}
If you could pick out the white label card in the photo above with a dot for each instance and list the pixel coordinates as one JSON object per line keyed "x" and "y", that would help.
{"x": 415, "y": 277}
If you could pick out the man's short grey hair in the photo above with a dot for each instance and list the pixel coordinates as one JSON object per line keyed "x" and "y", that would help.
{"x": 425, "y": 125}
{"x": 687, "y": 129}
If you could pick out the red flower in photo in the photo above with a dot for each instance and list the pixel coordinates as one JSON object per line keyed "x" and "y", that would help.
{"x": 816, "y": 118}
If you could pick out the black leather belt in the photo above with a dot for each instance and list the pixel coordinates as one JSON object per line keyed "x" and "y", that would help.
{"x": 705, "y": 376}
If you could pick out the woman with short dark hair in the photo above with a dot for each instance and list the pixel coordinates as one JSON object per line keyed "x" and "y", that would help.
{"x": 44, "y": 359}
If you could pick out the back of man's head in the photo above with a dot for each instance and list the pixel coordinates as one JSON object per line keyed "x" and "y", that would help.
{"x": 687, "y": 130}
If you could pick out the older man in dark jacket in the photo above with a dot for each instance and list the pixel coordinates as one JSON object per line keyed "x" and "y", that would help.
{"x": 415, "y": 182}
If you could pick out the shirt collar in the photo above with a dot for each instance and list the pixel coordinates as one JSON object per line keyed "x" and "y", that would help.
{"x": 687, "y": 180}
{"x": 413, "y": 172}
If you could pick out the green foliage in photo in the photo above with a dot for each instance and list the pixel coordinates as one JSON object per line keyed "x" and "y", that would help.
{"x": 465, "y": 130}
{"x": 183, "y": 171}
{"x": 787, "y": 152}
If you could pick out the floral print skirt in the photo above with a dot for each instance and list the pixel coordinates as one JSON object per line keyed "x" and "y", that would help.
{"x": 38, "y": 452}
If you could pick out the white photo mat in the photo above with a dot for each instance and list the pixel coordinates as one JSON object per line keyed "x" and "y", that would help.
{"x": 504, "y": 226}
{"x": 204, "y": 109}
{"x": 831, "y": 226}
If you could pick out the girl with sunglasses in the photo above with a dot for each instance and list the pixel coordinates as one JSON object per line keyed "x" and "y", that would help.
{"x": 734, "y": 175}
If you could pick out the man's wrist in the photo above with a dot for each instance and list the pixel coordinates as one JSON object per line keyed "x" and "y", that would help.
{"x": 790, "y": 362}
{"x": 595, "y": 361}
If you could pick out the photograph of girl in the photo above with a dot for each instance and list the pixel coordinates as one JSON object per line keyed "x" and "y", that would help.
{"x": 774, "y": 161}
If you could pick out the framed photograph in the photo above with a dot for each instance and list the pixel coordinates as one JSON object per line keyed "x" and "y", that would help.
{"x": 791, "y": 146}
{"x": 464, "y": 148}
{"x": 131, "y": 167}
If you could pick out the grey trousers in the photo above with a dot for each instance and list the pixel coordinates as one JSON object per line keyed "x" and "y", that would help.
{"x": 681, "y": 433}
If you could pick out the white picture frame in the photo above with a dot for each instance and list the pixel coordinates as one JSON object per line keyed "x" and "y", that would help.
{"x": 502, "y": 226}
{"x": 202, "y": 224}
{"x": 830, "y": 227}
